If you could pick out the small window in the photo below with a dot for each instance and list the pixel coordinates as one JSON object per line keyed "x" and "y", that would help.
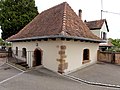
{"x": 104, "y": 35}
{"x": 101, "y": 34}
{"x": 16, "y": 51}
{"x": 85, "y": 54}
{"x": 24, "y": 53}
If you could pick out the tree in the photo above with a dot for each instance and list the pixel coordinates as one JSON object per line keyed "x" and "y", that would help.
{"x": 15, "y": 14}
{"x": 116, "y": 43}
{"x": 1, "y": 42}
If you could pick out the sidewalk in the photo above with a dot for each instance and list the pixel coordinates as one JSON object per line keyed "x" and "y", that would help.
{"x": 2, "y": 61}
{"x": 100, "y": 73}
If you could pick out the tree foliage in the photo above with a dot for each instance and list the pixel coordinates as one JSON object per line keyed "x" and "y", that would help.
{"x": 116, "y": 43}
{"x": 15, "y": 14}
{"x": 4, "y": 43}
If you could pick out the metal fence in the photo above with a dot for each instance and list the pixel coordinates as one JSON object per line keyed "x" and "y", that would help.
{"x": 20, "y": 58}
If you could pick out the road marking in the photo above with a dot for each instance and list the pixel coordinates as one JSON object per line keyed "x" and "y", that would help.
{"x": 15, "y": 67}
{"x": 2, "y": 64}
{"x": 11, "y": 77}
{"x": 22, "y": 71}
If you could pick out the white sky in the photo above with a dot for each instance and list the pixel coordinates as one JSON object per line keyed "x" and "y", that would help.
{"x": 91, "y": 11}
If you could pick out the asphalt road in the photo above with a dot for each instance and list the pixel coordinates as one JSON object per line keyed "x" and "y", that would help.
{"x": 100, "y": 73}
{"x": 39, "y": 79}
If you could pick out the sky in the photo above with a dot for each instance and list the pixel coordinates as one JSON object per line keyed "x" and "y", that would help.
{"x": 91, "y": 10}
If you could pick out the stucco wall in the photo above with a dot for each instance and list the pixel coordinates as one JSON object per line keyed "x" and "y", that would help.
{"x": 74, "y": 53}
{"x": 97, "y": 32}
{"x": 104, "y": 28}
{"x": 50, "y": 52}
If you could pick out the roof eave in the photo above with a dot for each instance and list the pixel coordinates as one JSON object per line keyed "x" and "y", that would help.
{"x": 107, "y": 26}
{"x": 58, "y": 36}
{"x": 95, "y": 28}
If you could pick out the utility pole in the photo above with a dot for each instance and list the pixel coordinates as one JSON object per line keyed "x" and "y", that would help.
{"x": 101, "y": 8}
{"x": 102, "y": 11}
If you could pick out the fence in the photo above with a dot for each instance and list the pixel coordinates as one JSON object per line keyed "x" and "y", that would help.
{"x": 110, "y": 57}
{"x": 23, "y": 58}
{"x": 3, "y": 54}
{"x": 19, "y": 58}
{"x": 18, "y": 55}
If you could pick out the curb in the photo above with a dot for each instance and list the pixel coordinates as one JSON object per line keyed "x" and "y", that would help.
{"x": 92, "y": 83}
{"x": 14, "y": 66}
{"x": 3, "y": 62}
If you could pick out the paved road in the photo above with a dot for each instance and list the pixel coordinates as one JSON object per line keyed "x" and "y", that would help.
{"x": 41, "y": 79}
{"x": 102, "y": 73}
{"x": 2, "y": 61}
{"x": 7, "y": 72}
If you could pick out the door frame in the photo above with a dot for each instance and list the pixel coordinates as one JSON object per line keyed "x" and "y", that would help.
{"x": 35, "y": 61}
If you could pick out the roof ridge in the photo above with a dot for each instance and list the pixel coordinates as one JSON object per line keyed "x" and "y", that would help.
{"x": 64, "y": 20}
{"x": 53, "y": 7}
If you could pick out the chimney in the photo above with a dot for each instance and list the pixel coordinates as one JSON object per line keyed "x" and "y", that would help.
{"x": 85, "y": 20}
{"x": 80, "y": 13}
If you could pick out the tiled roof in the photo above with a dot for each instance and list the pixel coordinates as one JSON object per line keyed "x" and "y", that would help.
{"x": 109, "y": 44}
{"x": 97, "y": 24}
{"x": 60, "y": 20}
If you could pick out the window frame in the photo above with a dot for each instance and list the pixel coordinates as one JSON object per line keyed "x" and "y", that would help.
{"x": 16, "y": 53}
{"x": 24, "y": 52}
{"x": 104, "y": 35}
{"x": 86, "y": 56}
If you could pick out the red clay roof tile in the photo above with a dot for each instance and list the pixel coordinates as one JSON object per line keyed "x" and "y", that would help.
{"x": 97, "y": 24}
{"x": 58, "y": 20}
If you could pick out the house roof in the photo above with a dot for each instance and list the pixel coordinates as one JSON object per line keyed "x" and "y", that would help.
{"x": 56, "y": 22}
{"x": 109, "y": 44}
{"x": 105, "y": 45}
{"x": 97, "y": 24}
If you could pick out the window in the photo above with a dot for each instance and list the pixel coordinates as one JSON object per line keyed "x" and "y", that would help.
{"x": 101, "y": 34}
{"x": 86, "y": 55}
{"x": 16, "y": 51}
{"x": 24, "y": 53}
{"x": 104, "y": 35}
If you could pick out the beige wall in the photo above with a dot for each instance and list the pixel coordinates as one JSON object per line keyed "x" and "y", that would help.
{"x": 50, "y": 52}
{"x": 74, "y": 53}
{"x": 97, "y": 32}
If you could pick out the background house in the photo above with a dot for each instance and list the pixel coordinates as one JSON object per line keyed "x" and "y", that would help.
{"x": 100, "y": 28}
{"x": 57, "y": 39}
